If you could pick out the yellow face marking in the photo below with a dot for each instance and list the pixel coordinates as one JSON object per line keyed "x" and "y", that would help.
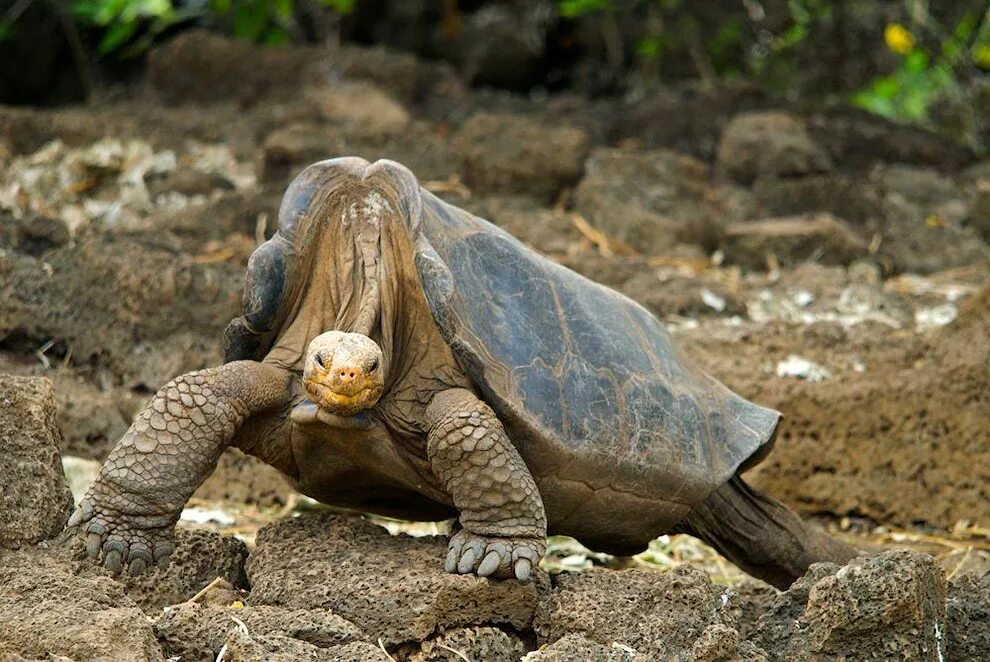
{"x": 336, "y": 402}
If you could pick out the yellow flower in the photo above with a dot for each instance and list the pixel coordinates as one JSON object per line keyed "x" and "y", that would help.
{"x": 898, "y": 38}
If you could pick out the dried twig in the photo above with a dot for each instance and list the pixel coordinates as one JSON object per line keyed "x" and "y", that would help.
{"x": 596, "y": 237}
{"x": 454, "y": 651}
{"x": 290, "y": 505}
{"x": 203, "y": 591}
{"x": 381, "y": 645}
{"x": 452, "y": 184}
{"x": 221, "y": 255}
{"x": 969, "y": 551}
{"x": 606, "y": 245}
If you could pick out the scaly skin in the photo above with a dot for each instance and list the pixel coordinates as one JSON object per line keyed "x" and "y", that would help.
{"x": 128, "y": 514}
{"x": 501, "y": 511}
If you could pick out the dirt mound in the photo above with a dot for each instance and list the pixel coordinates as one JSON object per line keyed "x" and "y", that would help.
{"x": 345, "y": 565}
{"x": 35, "y": 500}
{"x": 201, "y": 67}
{"x": 888, "y": 606}
{"x": 392, "y": 587}
{"x": 199, "y": 632}
{"x": 897, "y": 433}
{"x": 792, "y": 241}
{"x": 768, "y": 144}
{"x": 968, "y": 616}
{"x": 508, "y": 153}
{"x": 657, "y": 615}
{"x": 124, "y": 303}
{"x": 199, "y": 558}
{"x": 46, "y": 609}
{"x": 656, "y": 200}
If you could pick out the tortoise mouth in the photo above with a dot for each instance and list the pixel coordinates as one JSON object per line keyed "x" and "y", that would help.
{"x": 345, "y": 401}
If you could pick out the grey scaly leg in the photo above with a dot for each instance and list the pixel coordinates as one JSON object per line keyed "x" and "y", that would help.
{"x": 130, "y": 510}
{"x": 761, "y": 535}
{"x": 501, "y": 511}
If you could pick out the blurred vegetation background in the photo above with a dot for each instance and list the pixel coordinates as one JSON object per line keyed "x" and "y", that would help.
{"x": 913, "y": 61}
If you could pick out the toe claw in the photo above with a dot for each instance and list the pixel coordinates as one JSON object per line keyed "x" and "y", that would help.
{"x": 163, "y": 552}
{"x": 114, "y": 560}
{"x": 76, "y": 519}
{"x": 139, "y": 558}
{"x": 523, "y": 567}
{"x": 490, "y": 564}
{"x": 83, "y": 513}
{"x": 450, "y": 564}
{"x": 466, "y": 563}
{"x": 94, "y": 543}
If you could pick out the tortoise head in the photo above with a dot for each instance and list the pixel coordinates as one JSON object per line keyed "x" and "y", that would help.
{"x": 344, "y": 372}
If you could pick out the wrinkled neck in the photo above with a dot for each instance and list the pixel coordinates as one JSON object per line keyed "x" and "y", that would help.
{"x": 365, "y": 219}
{"x": 346, "y": 276}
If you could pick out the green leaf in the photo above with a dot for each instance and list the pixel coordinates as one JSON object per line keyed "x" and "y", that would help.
{"x": 276, "y": 37}
{"x": 108, "y": 10}
{"x": 116, "y": 36}
{"x": 283, "y": 9}
{"x": 874, "y": 104}
{"x": 650, "y": 47}
{"x": 886, "y": 87}
{"x": 220, "y": 7}
{"x": 577, "y": 8}
{"x": 250, "y": 20}
{"x": 916, "y": 60}
{"x": 342, "y": 7}
{"x": 86, "y": 10}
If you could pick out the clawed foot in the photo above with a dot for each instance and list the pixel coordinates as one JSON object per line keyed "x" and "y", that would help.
{"x": 122, "y": 532}
{"x": 493, "y": 557}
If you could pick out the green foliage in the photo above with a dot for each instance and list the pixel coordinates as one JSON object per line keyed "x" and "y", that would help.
{"x": 930, "y": 59}
{"x": 133, "y": 24}
{"x": 650, "y": 47}
{"x": 578, "y": 8}
{"x": 922, "y": 78}
{"x": 130, "y": 27}
{"x": 909, "y": 92}
{"x": 342, "y": 7}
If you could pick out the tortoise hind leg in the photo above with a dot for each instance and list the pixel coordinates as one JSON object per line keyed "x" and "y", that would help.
{"x": 761, "y": 535}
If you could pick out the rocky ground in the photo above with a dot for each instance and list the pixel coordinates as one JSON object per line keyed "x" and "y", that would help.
{"x": 819, "y": 261}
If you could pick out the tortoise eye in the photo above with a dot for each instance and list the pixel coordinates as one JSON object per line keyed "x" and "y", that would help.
{"x": 374, "y": 366}
{"x": 319, "y": 361}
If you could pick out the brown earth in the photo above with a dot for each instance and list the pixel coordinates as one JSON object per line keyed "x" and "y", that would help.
{"x": 122, "y": 254}
{"x": 903, "y": 441}
{"x": 331, "y": 587}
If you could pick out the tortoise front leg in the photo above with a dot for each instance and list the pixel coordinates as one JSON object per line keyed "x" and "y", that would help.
{"x": 130, "y": 510}
{"x": 501, "y": 511}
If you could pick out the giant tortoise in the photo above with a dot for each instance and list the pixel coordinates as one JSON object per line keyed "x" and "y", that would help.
{"x": 399, "y": 356}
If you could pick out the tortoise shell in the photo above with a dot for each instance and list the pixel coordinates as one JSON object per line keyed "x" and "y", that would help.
{"x": 560, "y": 358}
